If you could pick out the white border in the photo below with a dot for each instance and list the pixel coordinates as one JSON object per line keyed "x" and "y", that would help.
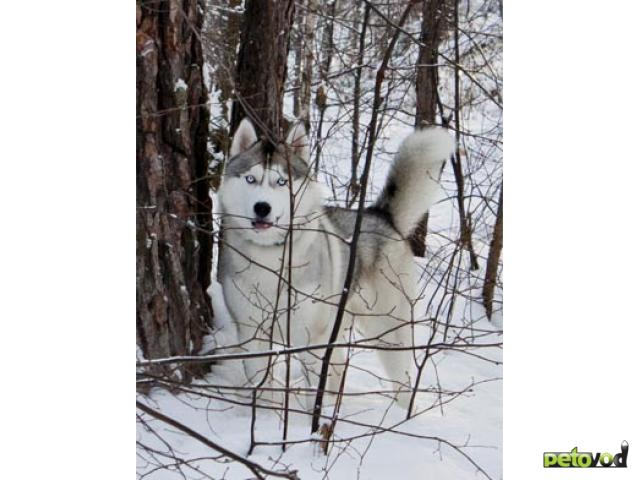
{"x": 572, "y": 252}
{"x": 67, "y": 253}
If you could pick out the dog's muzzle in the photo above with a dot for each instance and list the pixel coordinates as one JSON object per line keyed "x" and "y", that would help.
{"x": 262, "y": 210}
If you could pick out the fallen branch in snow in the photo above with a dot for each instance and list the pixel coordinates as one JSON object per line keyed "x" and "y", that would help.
{"x": 258, "y": 470}
{"x": 286, "y": 351}
{"x": 372, "y": 430}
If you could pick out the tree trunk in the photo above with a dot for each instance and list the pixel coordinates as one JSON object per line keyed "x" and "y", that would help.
{"x": 433, "y": 26}
{"x": 354, "y": 186}
{"x": 296, "y": 41}
{"x": 262, "y": 65}
{"x": 493, "y": 261}
{"x": 173, "y": 218}
{"x": 220, "y": 41}
{"x": 466, "y": 239}
{"x": 306, "y": 74}
{"x": 323, "y": 71}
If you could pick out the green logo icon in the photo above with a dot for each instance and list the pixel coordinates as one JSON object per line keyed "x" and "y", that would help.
{"x": 576, "y": 459}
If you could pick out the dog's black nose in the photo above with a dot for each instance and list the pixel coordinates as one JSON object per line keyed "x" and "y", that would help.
{"x": 262, "y": 209}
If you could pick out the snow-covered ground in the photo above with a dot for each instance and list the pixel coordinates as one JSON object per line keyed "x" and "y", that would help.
{"x": 470, "y": 420}
{"x": 459, "y": 435}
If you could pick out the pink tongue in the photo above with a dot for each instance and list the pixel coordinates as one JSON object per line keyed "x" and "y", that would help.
{"x": 262, "y": 225}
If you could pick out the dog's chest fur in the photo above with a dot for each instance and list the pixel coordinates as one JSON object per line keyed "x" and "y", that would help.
{"x": 261, "y": 266}
{"x": 252, "y": 275}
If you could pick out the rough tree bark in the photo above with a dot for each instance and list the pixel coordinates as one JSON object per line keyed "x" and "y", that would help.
{"x": 262, "y": 65}
{"x": 493, "y": 261}
{"x": 173, "y": 218}
{"x": 433, "y": 27}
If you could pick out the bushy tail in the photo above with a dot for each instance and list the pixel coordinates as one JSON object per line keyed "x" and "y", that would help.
{"x": 412, "y": 184}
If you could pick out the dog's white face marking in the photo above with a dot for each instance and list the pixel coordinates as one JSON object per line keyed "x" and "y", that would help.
{"x": 258, "y": 201}
{"x": 257, "y": 188}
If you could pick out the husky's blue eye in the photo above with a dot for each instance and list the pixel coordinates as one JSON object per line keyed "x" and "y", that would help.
{"x": 282, "y": 181}
{"x": 250, "y": 179}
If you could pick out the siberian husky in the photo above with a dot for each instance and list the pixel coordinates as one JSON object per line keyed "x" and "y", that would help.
{"x": 262, "y": 186}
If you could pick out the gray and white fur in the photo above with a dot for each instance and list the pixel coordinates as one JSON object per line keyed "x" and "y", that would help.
{"x": 255, "y": 197}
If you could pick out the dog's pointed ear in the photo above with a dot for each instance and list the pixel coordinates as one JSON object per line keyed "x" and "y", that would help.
{"x": 298, "y": 141}
{"x": 244, "y": 137}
